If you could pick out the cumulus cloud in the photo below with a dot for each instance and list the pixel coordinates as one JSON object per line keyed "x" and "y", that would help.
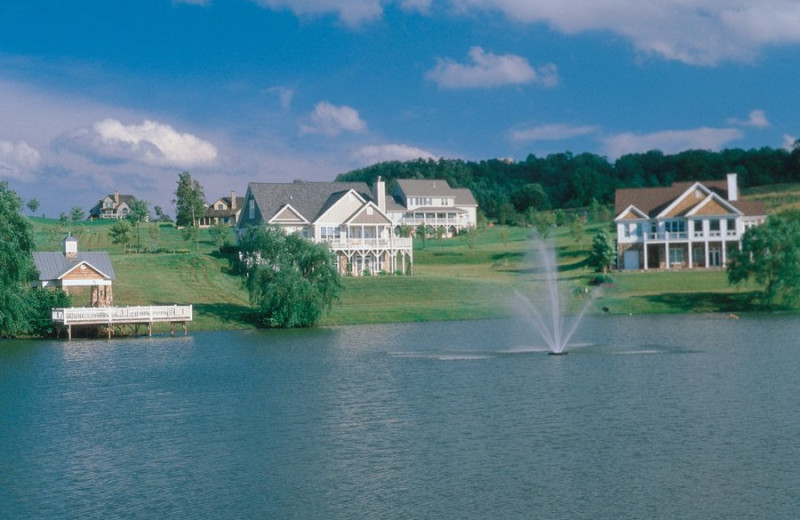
{"x": 490, "y": 70}
{"x": 350, "y": 12}
{"x": 390, "y": 152}
{"x": 789, "y": 141}
{"x": 700, "y": 32}
{"x": 151, "y": 143}
{"x": 332, "y": 120}
{"x": 18, "y": 160}
{"x": 555, "y": 132}
{"x": 670, "y": 141}
{"x": 757, "y": 119}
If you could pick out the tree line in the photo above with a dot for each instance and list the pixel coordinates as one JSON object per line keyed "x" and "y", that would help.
{"x": 506, "y": 189}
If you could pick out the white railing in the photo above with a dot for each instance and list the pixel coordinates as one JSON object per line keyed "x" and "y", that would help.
{"x": 110, "y": 315}
{"x": 370, "y": 243}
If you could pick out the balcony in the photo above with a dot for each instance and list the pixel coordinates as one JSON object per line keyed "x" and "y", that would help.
{"x": 369, "y": 244}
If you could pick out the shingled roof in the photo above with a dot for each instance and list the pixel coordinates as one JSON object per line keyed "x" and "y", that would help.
{"x": 436, "y": 188}
{"x": 652, "y": 201}
{"x": 311, "y": 199}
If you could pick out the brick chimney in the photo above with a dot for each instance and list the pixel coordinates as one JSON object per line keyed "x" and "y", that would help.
{"x": 116, "y": 198}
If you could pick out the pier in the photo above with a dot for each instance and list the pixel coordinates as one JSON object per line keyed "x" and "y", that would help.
{"x": 120, "y": 318}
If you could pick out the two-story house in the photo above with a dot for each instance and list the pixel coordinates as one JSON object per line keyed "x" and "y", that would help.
{"x": 434, "y": 204}
{"x": 685, "y": 225}
{"x": 346, "y": 216}
{"x": 224, "y": 210}
{"x": 112, "y": 205}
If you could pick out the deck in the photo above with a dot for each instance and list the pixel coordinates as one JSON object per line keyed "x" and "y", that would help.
{"x": 120, "y": 318}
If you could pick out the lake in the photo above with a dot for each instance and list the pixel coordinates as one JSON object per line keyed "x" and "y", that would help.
{"x": 647, "y": 417}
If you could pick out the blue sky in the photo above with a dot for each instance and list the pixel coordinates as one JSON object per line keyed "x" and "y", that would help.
{"x": 104, "y": 95}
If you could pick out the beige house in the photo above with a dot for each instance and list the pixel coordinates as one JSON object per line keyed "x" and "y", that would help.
{"x": 112, "y": 205}
{"x": 434, "y": 204}
{"x": 225, "y": 210}
{"x": 77, "y": 272}
{"x": 347, "y": 216}
{"x": 686, "y": 225}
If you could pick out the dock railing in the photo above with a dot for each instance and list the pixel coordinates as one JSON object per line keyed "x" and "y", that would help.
{"x": 121, "y": 315}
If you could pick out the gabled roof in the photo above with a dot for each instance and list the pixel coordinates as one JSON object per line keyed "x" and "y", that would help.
{"x": 679, "y": 199}
{"x": 309, "y": 199}
{"x": 435, "y": 188}
{"x": 123, "y": 199}
{"x": 368, "y": 214}
{"x": 55, "y": 265}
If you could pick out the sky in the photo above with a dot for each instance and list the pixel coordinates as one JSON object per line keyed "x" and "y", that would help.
{"x": 98, "y": 96}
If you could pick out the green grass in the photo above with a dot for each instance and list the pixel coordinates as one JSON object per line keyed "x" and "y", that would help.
{"x": 453, "y": 279}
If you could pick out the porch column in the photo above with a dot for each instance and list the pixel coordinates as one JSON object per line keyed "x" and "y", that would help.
{"x": 724, "y": 253}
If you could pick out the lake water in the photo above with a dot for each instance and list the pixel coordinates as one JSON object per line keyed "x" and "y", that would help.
{"x": 647, "y": 417}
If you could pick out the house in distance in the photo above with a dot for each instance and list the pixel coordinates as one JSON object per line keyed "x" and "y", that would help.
{"x": 113, "y": 205}
{"x": 686, "y": 225}
{"x": 347, "y": 216}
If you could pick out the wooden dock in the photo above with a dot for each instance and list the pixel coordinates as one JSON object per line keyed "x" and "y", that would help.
{"x": 119, "y": 318}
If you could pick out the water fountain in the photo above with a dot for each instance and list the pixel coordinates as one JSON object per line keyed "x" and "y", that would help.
{"x": 545, "y": 309}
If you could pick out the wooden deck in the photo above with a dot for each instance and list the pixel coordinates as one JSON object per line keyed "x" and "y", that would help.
{"x": 119, "y": 318}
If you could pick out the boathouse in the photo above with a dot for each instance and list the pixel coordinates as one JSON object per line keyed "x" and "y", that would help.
{"x": 77, "y": 273}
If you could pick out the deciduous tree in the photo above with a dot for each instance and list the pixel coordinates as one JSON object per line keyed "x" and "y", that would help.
{"x": 770, "y": 256}
{"x": 292, "y": 282}
{"x": 121, "y": 232}
{"x": 16, "y": 262}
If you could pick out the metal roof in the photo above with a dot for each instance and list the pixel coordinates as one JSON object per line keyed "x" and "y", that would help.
{"x": 54, "y": 265}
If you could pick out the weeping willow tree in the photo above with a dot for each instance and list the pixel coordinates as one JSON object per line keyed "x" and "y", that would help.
{"x": 291, "y": 281}
{"x": 16, "y": 263}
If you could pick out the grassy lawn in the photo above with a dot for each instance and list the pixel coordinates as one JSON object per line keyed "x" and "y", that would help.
{"x": 453, "y": 279}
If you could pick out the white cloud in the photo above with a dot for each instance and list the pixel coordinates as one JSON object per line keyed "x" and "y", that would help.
{"x": 788, "y": 141}
{"x": 490, "y": 70}
{"x": 151, "y": 143}
{"x": 390, "y": 152}
{"x": 555, "y": 132}
{"x": 18, "y": 160}
{"x": 670, "y": 141}
{"x": 701, "y": 32}
{"x": 350, "y": 12}
{"x": 757, "y": 119}
{"x": 332, "y": 120}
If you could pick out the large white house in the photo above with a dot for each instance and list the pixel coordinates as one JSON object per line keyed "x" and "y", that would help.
{"x": 347, "y": 216}
{"x": 432, "y": 203}
{"x": 686, "y": 225}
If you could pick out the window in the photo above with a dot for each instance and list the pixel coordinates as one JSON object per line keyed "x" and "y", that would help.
{"x": 251, "y": 210}
{"x": 713, "y": 226}
{"x": 675, "y": 256}
{"x": 675, "y": 227}
{"x": 731, "y": 226}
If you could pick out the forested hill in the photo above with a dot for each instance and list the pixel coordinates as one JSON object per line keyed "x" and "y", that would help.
{"x": 565, "y": 180}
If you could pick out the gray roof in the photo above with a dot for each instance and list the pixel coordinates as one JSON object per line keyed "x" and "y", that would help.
{"x": 52, "y": 266}
{"x": 435, "y": 188}
{"x": 311, "y": 199}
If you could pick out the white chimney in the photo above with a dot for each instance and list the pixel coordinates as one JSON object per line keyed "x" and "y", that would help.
{"x": 70, "y": 246}
{"x": 379, "y": 191}
{"x": 233, "y": 199}
{"x": 733, "y": 188}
